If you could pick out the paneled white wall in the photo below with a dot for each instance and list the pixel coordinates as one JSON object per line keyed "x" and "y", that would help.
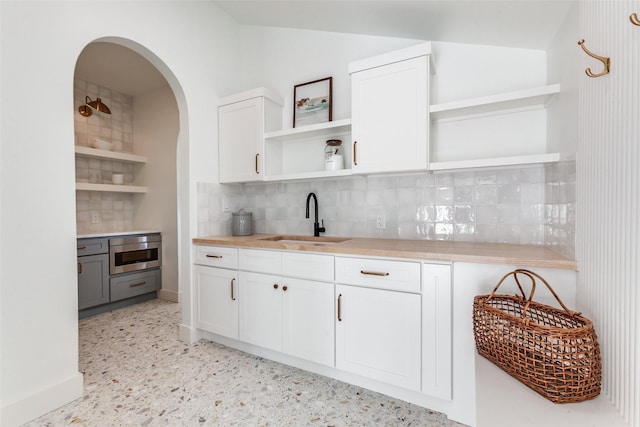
{"x": 608, "y": 198}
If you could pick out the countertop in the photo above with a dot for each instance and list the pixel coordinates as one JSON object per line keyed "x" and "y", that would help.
{"x": 116, "y": 233}
{"x": 428, "y": 250}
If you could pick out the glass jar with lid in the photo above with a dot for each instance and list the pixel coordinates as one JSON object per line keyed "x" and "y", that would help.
{"x": 333, "y": 156}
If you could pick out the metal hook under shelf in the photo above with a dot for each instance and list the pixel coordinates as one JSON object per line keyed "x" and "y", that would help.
{"x": 605, "y": 61}
{"x": 634, "y": 19}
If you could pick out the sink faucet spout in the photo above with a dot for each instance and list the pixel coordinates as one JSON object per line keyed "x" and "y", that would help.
{"x": 316, "y": 226}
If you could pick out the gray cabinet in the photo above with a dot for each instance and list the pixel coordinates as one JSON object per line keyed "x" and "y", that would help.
{"x": 93, "y": 273}
{"x": 130, "y": 285}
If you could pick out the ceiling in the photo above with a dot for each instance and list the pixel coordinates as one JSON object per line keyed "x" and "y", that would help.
{"x": 512, "y": 23}
{"x": 528, "y": 24}
{"x": 118, "y": 68}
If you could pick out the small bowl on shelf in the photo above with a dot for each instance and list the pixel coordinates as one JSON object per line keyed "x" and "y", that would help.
{"x": 117, "y": 178}
{"x": 101, "y": 144}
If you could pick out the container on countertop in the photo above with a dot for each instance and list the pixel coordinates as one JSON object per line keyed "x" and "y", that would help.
{"x": 242, "y": 224}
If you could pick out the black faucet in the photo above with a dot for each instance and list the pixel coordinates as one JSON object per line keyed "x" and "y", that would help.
{"x": 316, "y": 226}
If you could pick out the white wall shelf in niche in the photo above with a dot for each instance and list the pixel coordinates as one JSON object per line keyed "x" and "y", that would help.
{"x": 528, "y": 98}
{"x": 88, "y": 186}
{"x": 500, "y": 130}
{"x": 298, "y": 153}
{"x": 109, "y": 155}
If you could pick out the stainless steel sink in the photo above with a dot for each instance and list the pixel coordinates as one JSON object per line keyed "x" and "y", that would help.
{"x": 306, "y": 240}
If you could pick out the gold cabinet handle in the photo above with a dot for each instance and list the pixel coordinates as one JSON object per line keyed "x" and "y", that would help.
{"x": 81, "y": 248}
{"x": 373, "y": 273}
{"x": 257, "y": 158}
{"x": 275, "y": 286}
{"x": 284, "y": 288}
{"x": 340, "y": 308}
{"x": 79, "y": 268}
{"x": 137, "y": 284}
{"x": 355, "y": 154}
{"x": 214, "y": 256}
{"x": 233, "y": 297}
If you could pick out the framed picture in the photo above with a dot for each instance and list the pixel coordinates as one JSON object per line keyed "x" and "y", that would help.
{"x": 312, "y": 102}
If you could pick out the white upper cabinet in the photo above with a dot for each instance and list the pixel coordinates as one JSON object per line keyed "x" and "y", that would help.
{"x": 390, "y": 109}
{"x": 242, "y": 121}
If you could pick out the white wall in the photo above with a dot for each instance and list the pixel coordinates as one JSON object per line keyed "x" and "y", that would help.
{"x": 194, "y": 45}
{"x": 280, "y": 58}
{"x": 155, "y": 135}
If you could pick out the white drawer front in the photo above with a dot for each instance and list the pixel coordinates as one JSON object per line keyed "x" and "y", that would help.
{"x": 379, "y": 273}
{"x": 308, "y": 266}
{"x": 269, "y": 262}
{"x": 216, "y": 256}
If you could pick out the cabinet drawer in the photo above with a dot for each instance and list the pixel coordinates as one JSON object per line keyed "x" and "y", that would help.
{"x": 99, "y": 245}
{"x": 379, "y": 273}
{"x": 216, "y": 256}
{"x": 269, "y": 262}
{"x": 130, "y": 285}
{"x": 308, "y": 266}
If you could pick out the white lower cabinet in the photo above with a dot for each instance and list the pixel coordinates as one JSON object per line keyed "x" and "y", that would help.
{"x": 290, "y": 315}
{"x": 216, "y": 305}
{"x": 378, "y": 335}
{"x": 385, "y": 319}
{"x": 260, "y": 310}
{"x": 308, "y": 321}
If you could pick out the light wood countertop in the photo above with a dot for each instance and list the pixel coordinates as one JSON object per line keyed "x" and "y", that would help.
{"x": 427, "y": 250}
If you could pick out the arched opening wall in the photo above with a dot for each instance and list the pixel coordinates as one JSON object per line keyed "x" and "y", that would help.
{"x": 194, "y": 46}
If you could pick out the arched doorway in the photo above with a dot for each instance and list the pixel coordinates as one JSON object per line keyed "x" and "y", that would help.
{"x": 148, "y": 119}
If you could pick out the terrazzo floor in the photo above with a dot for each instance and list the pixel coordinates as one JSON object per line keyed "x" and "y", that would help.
{"x": 138, "y": 373}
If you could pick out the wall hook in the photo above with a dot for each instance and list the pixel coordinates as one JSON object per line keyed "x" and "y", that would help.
{"x": 605, "y": 61}
{"x": 634, "y": 19}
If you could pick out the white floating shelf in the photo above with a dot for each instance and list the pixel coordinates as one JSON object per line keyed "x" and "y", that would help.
{"x": 308, "y": 175}
{"x": 528, "y": 98}
{"x": 109, "y": 155}
{"x": 87, "y": 186}
{"x": 317, "y": 130}
{"x": 498, "y": 161}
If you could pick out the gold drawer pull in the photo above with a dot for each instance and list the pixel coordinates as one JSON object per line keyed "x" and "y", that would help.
{"x": 81, "y": 248}
{"x": 214, "y": 256}
{"x": 233, "y": 297}
{"x": 340, "y": 308}
{"x": 79, "y": 268}
{"x": 137, "y": 284}
{"x": 257, "y": 159}
{"x": 373, "y": 273}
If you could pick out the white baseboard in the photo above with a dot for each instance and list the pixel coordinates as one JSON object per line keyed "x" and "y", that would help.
{"x": 167, "y": 295}
{"x": 42, "y": 402}
{"x": 188, "y": 334}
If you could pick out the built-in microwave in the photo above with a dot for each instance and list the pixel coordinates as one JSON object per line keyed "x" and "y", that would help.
{"x": 133, "y": 253}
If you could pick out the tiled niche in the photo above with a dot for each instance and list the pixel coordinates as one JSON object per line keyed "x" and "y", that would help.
{"x": 100, "y": 212}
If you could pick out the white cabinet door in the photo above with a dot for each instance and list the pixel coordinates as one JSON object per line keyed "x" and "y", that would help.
{"x": 436, "y": 330}
{"x": 240, "y": 140}
{"x": 261, "y": 310}
{"x": 308, "y": 320}
{"x": 216, "y": 300}
{"x": 378, "y": 335}
{"x": 390, "y": 117}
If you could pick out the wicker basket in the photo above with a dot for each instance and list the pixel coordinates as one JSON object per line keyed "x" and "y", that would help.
{"x": 554, "y": 352}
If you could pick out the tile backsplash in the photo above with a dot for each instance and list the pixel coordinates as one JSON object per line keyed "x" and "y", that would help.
{"x": 529, "y": 205}
{"x": 98, "y": 212}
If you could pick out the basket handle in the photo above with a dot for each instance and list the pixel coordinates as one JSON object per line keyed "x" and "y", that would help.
{"x": 511, "y": 273}
{"x": 532, "y": 276}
